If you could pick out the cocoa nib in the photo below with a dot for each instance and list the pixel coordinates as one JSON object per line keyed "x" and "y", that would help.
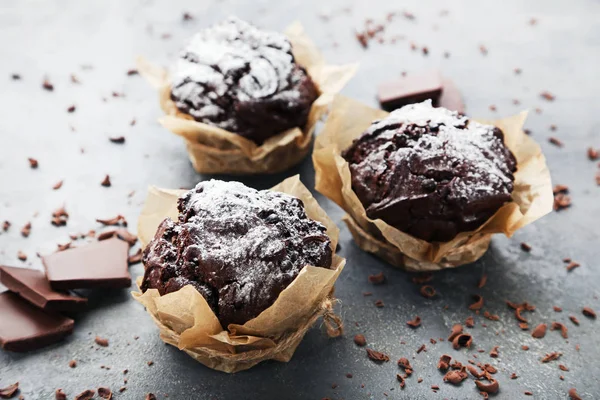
{"x": 491, "y": 317}
{"x": 415, "y": 323}
{"x": 421, "y": 348}
{"x": 401, "y": 380}
{"x": 427, "y": 291}
{"x": 547, "y": 96}
{"x": 377, "y": 279}
{"x": 574, "y": 319}
{"x": 573, "y": 395}
{"x": 377, "y": 356}
{"x": 360, "y": 340}
{"x": 444, "y": 362}
{"x": 494, "y": 352}
{"x": 470, "y": 322}
{"x": 60, "y": 395}
{"x": 117, "y": 139}
{"x": 60, "y": 217}
{"x": 491, "y": 387}
{"x": 26, "y": 229}
{"x": 46, "y": 85}
{"x": 525, "y": 247}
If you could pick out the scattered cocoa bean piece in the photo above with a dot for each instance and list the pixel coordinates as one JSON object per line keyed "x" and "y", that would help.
{"x": 513, "y": 376}
{"x": 422, "y": 278}
{"x": 470, "y": 322}
{"x": 377, "y": 356}
{"x": 518, "y": 315}
{"x": 525, "y": 247}
{"x": 455, "y": 377}
{"x": 573, "y": 395}
{"x": 462, "y": 340}
{"x": 415, "y": 323}
{"x": 118, "y": 220}
{"x": 475, "y": 372}
{"x": 419, "y": 380}
{"x": 528, "y": 393}
{"x": 150, "y": 363}
{"x": 572, "y": 265}
{"x": 9, "y": 391}
{"x": 539, "y": 331}
{"x": 444, "y": 362}
{"x": 491, "y": 317}
{"x": 132, "y": 71}
{"x": 72, "y": 364}
{"x": 478, "y": 302}
{"x": 377, "y": 279}
{"x": 560, "y": 189}
{"x": 63, "y": 247}
{"x": 588, "y": 312}
{"x": 427, "y": 291}
{"x": 456, "y": 330}
{"x": 562, "y": 327}
{"x": 557, "y": 309}
{"x": 349, "y": 375}
{"x": 360, "y": 340}
{"x": 86, "y": 395}
{"x": 105, "y": 393}
{"x": 488, "y": 368}
{"x": 562, "y": 367}
{"x": 435, "y": 387}
{"x": 401, "y": 380}
{"x": 574, "y": 319}
{"x": 561, "y": 201}
{"x": 60, "y": 395}
{"x": 117, "y": 139}
{"x": 491, "y": 387}
{"x": 379, "y": 304}
{"x": 525, "y": 347}
{"x": 456, "y": 365}
{"x": 26, "y": 229}
{"x": 551, "y": 357}
{"x": 494, "y": 352}
{"x": 422, "y": 348}
{"x": 106, "y": 181}
{"x": 135, "y": 258}
{"x": 21, "y": 256}
{"x": 547, "y": 96}
{"x": 432, "y": 341}
{"x": 101, "y": 341}
{"x": 71, "y": 109}
{"x": 122, "y": 389}
{"x": 60, "y": 216}
{"x": 405, "y": 365}
{"x": 523, "y": 325}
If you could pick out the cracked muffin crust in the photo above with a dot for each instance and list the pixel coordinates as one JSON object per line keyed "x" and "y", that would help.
{"x": 242, "y": 79}
{"x": 431, "y": 172}
{"x": 237, "y": 246}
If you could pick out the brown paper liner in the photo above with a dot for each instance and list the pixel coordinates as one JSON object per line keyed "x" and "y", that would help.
{"x": 216, "y": 151}
{"x": 187, "y": 322}
{"x": 532, "y": 196}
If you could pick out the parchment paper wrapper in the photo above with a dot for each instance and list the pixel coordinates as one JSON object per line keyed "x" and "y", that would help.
{"x": 532, "y": 195}
{"x": 187, "y": 322}
{"x": 214, "y": 150}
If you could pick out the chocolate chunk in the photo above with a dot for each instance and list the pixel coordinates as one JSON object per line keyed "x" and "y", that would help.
{"x": 33, "y": 286}
{"x": 96, "y": 265}
{"x": 462, "y": 340}
{"x": 360, "y": 340}
{"x": 564, "y": 331}
{"x": 450, "y": 97}
{"x": 444, "y": 362}
{"x": 25, "y": 327}
{"x": 547, "y": 96}
{"x": 9, "y": 391}
{"x": 457, "y": 329}
{"x": 539, "y": 331}
{"x": 71, "y": 109}
{"x": 86, "y": 395}
{"x": 551, "y": 357}
{"x": 26, "y": 229}
{"x": 105, "y": 393}
{"x": 377, "y": 355}
{"x": 33, "y": 163}
{"x": 588, "y": 312}
{"x": 492, "y": 387}
{"x": 405, "y": 365}
{"x": 573, "y": 395}
{"x": 47, "y": 85}
{"x": 60, "y": 395}
{"x": 413, "y": 88}
{"x": 455, "y": 376}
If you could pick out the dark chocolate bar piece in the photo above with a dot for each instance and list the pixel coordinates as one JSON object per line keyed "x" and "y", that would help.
{"x": 412, "y": 88}
{"x": 25, "y": 327}
{"x": 33, "y": 286}
{"x": 101, "y": 264}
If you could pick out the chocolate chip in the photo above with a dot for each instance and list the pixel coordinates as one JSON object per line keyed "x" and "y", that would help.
{"x": 560, "y": 326}
{"x": 415, "y": 323}
{"x": 547, "y": 96}
{"x": 539, "y": 331}
{"x": 444, "y": 362}
{"x": 588, "y": 312}
{"x": 427, "y": 291}
{"x": 106, "y": 181}
{"x": 477, "y": 304}
{"x": 105, "y": 393}
{"x": 86, "y": 395}
{"x": 360, "y": 340}
{"x": 462, "y": 340}
{"x": 60, "y": 395}
{"x": 9, "y": 391}
{"x": 101, "y": 341}
{"x": 33, "y": 163}
{"x": 377, "y": 356}
{"x": 377, "y": 279}
{"x": 117, "y": 139}
{"x": 455, "y": 377}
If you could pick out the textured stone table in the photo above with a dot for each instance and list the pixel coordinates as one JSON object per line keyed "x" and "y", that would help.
{"x": 98, "y": 40}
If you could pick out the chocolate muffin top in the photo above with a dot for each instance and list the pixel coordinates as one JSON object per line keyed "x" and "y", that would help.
{"x": 237, "y": 246}
{"x": 431, "y": 172}
{"x": 242, "y": 79}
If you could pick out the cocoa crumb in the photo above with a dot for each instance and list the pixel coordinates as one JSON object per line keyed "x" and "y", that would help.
{"x": 491, "y": 317}
{"x": 513, "y": 376}
{"x": 574, "y": 319}
{"x": 106, "y": 181}
{"x": 551, "y": 357}
{"x": 539, "y": 331}
{"x": 132, "y": 71}
{"x": 57, "y": 185}
{"x": 422, "y": 348}
{"x": 6, "y": 226}
{"x": 492, "y": 387}
{"x": 105, "y": 393}
{"x": 349, "y": 375}
{"x": 573, "y": 395}
{"x": 483, "y": 50}
{"x": 405, "y": 365}
{"x": 470, "y": 322}
{"x": 523, "y": 326}
{"x": 462, "y": 340}
{"x": 422, "y": 278}
{"x": 118, "y": 220}
{"x": 482, "y": 281}
{"x": 562, "y": 327}
{"x": 187, "y": 16}
{"x": 557, "y": 309}
{"x": 360, "y": 340}
{"x": 494, "y": 352}
{"x": 86, "y": 395}
{"x": 150, "y": 396}
{"x": 493, "y": 108}
{"x": 377, "y": 279}
{"x": 561, "y": 201}
{"x": 401, "y": 380}
{"x": 572, "y": 265}
{"x": 456, "y": 330}
{"x": 563, "y": 367}
{"x": 46, "y": 85}
{"x": 71, "y": 109}
{"x": 21, "y": 256}
{"x": 588, "y": 312}
{"x": 33, "y": 163}
{"x": 150, "y": 363}
{"x": 475, "y": 372}
{"x": 547, "y": 96}
{"x": 525, "y": 247}
{"x": 377, "y": 356}
{"x": 528, "y": 393}
{"x": 101, "y": 341}
{"x": 435, "y": 387}
{"x": 72, "y": 364}
{"x": 415, "y": 323}
{"x": 444, "y": 362}
{"x": 525, "y": 347}
{"x": 427, "y": 291}
{"x": 593, "y": 154}
{"x": 117, "y": 139}
{"x": 555, "y": 141}
{"x": 60, "y": 395}
{"x": 366, "y": 294}
{"x": 26, "y": 229}
{"x": 379, "y": 304}
{"x": 455, "y": 376}
{"x": 60, "y": 216}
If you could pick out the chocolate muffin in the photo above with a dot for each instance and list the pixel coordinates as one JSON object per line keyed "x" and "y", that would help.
{"x": 237, "y": 246}
{"x": 431, "y": 172}
{"x": 242, "y": 79}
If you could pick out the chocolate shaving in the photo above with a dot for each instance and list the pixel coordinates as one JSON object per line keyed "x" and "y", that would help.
{"x": 539, "y": 331}
{"x": 562, "y": 367}
{"x": 455, "y": 377}
{"x": 470, "y": 322}
{"x": 462, "y": 340}
{"x": 105, "y": 393}
{"x": 360, "y": 340}
{"x": 26, "y": 229}
{"x": 57, "y": 185}
{"x": 86, "y": 395}
{"x": 573, "y": 395}
{"x": 494, "y": 352}
{"x": 117, "y": 139}
{"x": 106, "y": 181}
{"x": 33, "y": 163}
{"x": 9, "y": 391}
{"x": 6, "y": 226}
{"x": 457, "y": 329}
{"x": 107, "y": 235}
{"x": 588, "y": 312}
{"x": 127, "y": 236}
{"x": 135, "y": 258}
{"x": 482, "y": 281}
{"x": 427, "y": 291}
{"x": 415, "y": 323}
{"x": 478, "y": 303}
{"x": 60, "y": 217}
{"x": 118, "y": 220}
{"x": 574, "y": 319}
{"x": 422, "y": 348}
{"x": 444, "y": 362}
{"x": 551, "y": 357}
{"x": 132, "y": 71}
{"x": 492, "y": 387}
{"x": 377, "y": 279}
{"x": 562, "y": 327}
{"x": 401, "y": 380}
{"x": 101, "y": 341}
{"x": 377, "y": 356}
{"x": 491, "y": 317}
{"x": 488, "y": 368}
{"x": 475, "y": 372}
{"x": 405, "y": 364}
{"x": 572, "y": 265}
{"x": 63, "y": 247}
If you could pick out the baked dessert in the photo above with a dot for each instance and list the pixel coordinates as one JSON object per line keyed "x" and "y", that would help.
{"x": 242, "y": 79}
{"x": 431, "y": 172}
{"x": 237, "y": 246}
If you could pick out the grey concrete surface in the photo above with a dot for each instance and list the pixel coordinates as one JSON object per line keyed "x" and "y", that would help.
{"x": 98, "y": 40}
